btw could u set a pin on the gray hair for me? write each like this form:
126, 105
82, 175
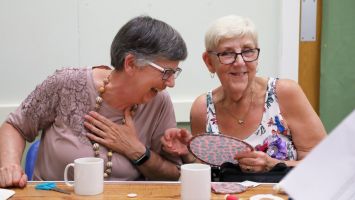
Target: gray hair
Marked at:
147, 39
229, 27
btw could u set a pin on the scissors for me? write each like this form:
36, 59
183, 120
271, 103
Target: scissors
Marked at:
50, 186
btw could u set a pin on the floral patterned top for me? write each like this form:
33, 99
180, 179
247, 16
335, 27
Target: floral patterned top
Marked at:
272, 136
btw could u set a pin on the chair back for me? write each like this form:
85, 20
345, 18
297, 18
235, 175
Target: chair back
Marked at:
31, 158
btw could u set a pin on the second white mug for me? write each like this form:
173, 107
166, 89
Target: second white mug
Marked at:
195, 182
88, 175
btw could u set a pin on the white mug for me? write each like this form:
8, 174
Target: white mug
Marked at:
195, 182
88, 175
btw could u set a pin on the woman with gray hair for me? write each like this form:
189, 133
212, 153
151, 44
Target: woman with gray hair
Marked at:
273, 115
118, 114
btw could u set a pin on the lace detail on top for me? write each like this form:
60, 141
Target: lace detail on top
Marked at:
64, 97
272, 136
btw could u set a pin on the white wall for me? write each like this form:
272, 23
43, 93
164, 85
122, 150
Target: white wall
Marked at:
39, 36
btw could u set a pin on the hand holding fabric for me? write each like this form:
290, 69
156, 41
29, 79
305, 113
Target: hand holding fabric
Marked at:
255, 161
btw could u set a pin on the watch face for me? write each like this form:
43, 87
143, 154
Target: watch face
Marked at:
143, 158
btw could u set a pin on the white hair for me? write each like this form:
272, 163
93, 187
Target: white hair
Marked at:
230, 26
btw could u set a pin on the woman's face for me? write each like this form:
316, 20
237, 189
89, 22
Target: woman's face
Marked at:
237, 76
150, 80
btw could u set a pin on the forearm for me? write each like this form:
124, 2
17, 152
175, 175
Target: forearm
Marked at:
158, 168
12, 145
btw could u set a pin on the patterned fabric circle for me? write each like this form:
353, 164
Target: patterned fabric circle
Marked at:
227, 187
216, 149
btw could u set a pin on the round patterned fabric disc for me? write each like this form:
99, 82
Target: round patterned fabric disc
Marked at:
217, 149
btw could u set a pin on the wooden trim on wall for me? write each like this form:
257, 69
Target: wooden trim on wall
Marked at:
309, 64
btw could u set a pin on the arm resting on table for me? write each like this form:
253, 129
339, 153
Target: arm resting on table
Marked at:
12, 145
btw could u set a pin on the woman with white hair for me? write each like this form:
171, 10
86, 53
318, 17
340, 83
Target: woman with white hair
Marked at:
271, 114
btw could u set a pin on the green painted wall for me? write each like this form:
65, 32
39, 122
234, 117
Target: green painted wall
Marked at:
337, 78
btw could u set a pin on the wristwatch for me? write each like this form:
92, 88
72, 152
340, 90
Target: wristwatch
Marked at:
143, 158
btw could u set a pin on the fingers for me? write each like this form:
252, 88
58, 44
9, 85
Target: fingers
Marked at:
247, 168
16, 176
94, 129
184, 133
165, 141
170, 133
12, 176
23, 181
98, 124
96, 139
255, 161
96, 118
167, 136
5, 177
252, 158
128, 117
98, 121
173, 141
245, 154
177, 133
249, 161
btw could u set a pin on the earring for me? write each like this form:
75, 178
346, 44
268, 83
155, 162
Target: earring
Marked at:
212, 75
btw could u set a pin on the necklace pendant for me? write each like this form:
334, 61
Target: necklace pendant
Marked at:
240, 121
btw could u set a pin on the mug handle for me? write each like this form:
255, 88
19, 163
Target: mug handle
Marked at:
66, 174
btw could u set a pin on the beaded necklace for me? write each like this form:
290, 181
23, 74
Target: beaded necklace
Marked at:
95, 145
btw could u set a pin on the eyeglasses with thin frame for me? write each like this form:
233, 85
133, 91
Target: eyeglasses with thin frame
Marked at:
167, 72
228, 57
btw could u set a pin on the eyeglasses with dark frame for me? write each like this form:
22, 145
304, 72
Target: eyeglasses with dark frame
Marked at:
167, 72
228, 57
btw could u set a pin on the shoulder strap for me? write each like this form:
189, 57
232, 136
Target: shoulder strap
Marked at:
211, 124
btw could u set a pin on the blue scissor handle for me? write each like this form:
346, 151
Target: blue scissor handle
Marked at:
46, 186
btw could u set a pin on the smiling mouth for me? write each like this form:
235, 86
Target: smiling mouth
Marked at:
238, 73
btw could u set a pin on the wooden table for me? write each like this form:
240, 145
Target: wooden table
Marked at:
119, 190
